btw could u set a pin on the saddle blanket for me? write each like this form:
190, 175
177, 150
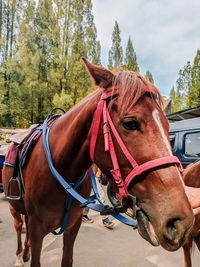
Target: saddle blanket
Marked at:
32, 139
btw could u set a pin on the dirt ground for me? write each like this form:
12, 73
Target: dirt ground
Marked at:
96, 246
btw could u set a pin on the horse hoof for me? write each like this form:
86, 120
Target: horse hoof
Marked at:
18, 264
26, 258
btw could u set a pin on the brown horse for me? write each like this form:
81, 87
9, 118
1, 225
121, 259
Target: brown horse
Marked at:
138, 118
191, 177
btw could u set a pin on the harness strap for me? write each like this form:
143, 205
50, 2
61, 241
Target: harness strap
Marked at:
95, 128
94, 187
97, 119
71, 191
108, 125
68, 203
121, 144
152, 164
110, 146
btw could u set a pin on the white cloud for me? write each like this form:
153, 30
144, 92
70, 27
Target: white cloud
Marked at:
165, 34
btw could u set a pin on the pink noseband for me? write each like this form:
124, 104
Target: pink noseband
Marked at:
108, 126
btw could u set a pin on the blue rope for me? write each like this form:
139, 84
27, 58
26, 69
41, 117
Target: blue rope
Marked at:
68, 202
72, 193
21, 160
8, 164
68, 188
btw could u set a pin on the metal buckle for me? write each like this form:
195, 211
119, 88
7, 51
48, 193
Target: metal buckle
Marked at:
83, 205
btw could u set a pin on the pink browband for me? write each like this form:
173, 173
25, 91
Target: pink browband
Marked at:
107, 127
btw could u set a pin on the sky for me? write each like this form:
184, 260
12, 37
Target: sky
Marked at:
165, 34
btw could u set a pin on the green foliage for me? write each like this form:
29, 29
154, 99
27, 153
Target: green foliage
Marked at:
40, 49
149, 76
115, 54
176, 100
187, 93
130, 57
63, 100
41, 44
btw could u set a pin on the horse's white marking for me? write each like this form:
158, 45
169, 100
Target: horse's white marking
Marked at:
157, 120
19, 261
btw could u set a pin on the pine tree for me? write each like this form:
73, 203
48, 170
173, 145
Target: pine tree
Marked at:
188, 83
38, 55
1, 22
97, 56
115, 54
196, 75
40, 49
90, 31
174, 100
9, 22
76, 75
178, 101
27, 86
46, 45
149, 76
130, 57
65, 21
83, 43
184, 84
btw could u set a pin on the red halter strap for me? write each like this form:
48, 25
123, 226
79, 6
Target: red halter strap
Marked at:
107, 127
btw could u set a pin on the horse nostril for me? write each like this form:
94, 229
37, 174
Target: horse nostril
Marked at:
172, 229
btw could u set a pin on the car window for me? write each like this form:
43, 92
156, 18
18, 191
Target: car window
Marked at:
172, 140
192, 144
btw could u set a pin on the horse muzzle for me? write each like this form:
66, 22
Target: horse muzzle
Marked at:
170, 234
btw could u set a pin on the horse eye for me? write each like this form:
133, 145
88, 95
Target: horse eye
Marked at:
130, 124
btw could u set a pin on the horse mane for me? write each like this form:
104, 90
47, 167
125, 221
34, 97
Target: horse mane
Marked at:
132, 86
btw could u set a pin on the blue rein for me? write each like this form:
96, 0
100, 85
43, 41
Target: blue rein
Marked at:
71, 190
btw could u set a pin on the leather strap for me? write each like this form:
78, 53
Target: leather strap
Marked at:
108, 126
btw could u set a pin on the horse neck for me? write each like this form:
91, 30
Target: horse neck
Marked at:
70, 138
191, 175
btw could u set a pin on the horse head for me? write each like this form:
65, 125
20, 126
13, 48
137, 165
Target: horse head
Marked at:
147, 168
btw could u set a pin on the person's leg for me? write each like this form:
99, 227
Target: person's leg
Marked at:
106, 220
85, 217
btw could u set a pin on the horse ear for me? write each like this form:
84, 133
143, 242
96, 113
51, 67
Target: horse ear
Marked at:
100, 76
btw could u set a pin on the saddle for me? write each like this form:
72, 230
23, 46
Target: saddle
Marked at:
22, 144
17, 141
17, 138
17, 149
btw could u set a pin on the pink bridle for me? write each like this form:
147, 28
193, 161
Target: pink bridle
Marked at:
107, 127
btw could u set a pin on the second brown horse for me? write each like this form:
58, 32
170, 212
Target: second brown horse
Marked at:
191, 177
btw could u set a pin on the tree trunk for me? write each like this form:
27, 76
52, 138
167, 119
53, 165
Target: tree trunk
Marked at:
7, 30
12, 25
1, 21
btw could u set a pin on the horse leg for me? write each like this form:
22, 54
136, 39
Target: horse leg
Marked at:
26, 254
69, 237
36, 235
197, 241
187, 254
18, 222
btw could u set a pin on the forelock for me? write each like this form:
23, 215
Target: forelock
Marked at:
132, 86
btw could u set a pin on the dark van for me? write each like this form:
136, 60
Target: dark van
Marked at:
185, 140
